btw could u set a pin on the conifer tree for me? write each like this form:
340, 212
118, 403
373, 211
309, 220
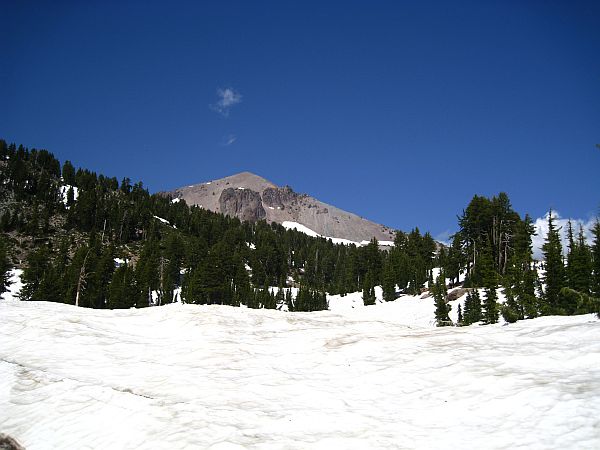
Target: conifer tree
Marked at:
581, 266
472, 311
368, 295
389, 285
490, 305
555, 269
595, 254
288, 300
122, 291
442, 308
5, 267
460, 316
488, 275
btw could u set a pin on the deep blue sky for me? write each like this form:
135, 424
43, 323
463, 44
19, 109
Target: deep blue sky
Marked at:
398, 111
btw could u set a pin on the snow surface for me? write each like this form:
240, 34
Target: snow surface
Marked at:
64, 192
217, 377
15, 285
304, 229
165, 221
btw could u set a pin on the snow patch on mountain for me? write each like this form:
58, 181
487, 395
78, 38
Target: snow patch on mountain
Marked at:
304, 229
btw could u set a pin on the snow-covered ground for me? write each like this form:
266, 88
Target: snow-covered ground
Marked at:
304, 229
186, 376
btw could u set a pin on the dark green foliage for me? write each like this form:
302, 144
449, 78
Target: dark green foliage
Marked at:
460, 318
472, 311
442, 308
579, 263
581, 303
388, 284
555, 270
411, 260
310, 300
521, 277
41, 281
488, 225
490, 306
368, 295
510, 310
5, 267
454, 261
123, 291
595, 279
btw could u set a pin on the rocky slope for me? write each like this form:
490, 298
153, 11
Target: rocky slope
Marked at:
253, 198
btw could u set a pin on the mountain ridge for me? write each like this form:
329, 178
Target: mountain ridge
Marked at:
251, 197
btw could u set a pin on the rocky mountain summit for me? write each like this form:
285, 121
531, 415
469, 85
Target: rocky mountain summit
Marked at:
250, 197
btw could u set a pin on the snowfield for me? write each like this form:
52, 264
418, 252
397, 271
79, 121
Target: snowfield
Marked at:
217, 377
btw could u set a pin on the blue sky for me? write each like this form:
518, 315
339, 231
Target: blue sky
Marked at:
397, 111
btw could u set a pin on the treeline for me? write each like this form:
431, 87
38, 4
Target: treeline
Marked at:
90, 240
493, 248
77, 222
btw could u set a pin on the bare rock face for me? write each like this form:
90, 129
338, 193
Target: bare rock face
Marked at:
278, 197
244, 204
250, 197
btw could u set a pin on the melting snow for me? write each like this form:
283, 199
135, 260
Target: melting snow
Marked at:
304, 229
186, 376
165, 221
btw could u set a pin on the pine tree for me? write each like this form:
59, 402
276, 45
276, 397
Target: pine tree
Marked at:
460, 316
472, 311
490, 306
122, 291
5, 267
389, 285
442, 308
368, 290
581, 266
555, 269
595, 253
288, 300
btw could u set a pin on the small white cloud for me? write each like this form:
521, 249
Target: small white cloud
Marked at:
444, 237
541, 229
227, 98
228, 140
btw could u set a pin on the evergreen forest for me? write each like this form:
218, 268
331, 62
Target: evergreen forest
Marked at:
91, 240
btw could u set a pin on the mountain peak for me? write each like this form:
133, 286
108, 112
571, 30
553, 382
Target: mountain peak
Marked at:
251, 197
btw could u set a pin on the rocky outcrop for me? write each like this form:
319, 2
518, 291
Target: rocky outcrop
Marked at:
250, 197
242, 203
279, 197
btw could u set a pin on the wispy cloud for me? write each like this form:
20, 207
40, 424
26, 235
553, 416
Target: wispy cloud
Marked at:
444, 237
228, 140
226, 99
541, 229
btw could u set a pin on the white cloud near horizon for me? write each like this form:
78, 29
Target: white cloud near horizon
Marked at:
541, 229
226, 99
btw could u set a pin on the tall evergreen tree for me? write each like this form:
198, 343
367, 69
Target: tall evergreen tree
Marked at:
5, 267
388, 283
368, 295
440, 294
122, 291
555, 270
595, 253
472, 311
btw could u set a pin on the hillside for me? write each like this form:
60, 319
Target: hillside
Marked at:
250, 197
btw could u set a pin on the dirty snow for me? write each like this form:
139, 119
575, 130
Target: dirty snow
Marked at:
187, 376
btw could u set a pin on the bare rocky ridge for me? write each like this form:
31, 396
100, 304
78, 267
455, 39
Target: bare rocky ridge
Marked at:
250, 197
